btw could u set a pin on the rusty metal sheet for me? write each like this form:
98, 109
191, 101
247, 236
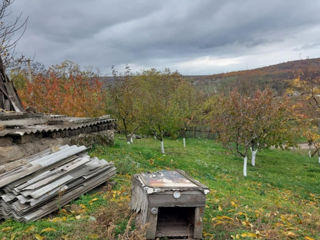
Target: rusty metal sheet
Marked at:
167, 179
164, 181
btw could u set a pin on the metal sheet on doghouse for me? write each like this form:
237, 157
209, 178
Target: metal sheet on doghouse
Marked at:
167, 179
171, 203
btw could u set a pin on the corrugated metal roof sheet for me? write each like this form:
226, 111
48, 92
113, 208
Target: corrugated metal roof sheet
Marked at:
20, 127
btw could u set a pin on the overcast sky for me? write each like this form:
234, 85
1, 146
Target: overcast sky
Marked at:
191, 36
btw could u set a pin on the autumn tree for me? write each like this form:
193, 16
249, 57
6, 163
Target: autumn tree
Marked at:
160, 114
273, 122
124, 104
257, 122
313, 137
306, 88
188, 99
65, 89
229, 121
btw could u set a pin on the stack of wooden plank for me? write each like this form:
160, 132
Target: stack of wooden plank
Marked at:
49, 180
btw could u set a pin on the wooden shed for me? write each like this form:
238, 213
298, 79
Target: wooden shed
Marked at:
171, 203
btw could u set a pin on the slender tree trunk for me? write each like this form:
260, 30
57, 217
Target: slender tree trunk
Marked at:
253, 157
310, 150
126, 130
162, 146
184, 136
128, 139
131, 138
245, 160
319, 157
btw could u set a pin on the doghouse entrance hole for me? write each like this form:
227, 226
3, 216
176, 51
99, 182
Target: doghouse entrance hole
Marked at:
175, 221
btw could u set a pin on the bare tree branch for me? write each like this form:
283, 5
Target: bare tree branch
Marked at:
10, 31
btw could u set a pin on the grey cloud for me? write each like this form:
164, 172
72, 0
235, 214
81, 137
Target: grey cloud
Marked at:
150, 32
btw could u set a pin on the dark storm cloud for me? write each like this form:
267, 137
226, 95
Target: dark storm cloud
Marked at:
173, 33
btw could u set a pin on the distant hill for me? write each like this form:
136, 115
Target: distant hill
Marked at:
276, 76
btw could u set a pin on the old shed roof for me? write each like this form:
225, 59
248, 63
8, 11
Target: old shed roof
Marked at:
46, 123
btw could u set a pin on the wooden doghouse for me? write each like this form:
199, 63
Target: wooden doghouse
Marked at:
171, 203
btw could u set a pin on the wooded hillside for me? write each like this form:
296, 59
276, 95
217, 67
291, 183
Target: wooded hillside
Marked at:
277, 77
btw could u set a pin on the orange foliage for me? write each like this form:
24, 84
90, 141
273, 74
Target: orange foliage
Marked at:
75, 95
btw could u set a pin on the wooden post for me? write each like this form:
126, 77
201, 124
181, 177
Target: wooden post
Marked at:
152, 224
198, 225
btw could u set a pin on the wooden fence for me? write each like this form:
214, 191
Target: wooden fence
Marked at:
199, 132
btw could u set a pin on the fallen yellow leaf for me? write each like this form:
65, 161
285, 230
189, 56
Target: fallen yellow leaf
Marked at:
13, 236
248, 234
93, 200
224, 218
308, 238
6, 229
218, 222
58, 219
258, 233
49, 229
234, 204
83, 206
290, 234
63, 211
38, 237
241, 214
93, 236
235, 236
30, 229
246, 223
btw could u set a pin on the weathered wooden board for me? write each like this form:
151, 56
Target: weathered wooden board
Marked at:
186, 200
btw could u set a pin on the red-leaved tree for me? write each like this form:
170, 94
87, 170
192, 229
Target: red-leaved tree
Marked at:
72, 93
243, 123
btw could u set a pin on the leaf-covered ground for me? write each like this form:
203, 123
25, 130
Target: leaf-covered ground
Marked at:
280, 198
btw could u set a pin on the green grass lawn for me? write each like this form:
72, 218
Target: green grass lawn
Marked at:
280, 198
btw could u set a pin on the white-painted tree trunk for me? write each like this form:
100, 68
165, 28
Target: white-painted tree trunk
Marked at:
253, 157
319, 159
184, 142
309, 153
128, 139
162, 147
245, 160
131, 139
